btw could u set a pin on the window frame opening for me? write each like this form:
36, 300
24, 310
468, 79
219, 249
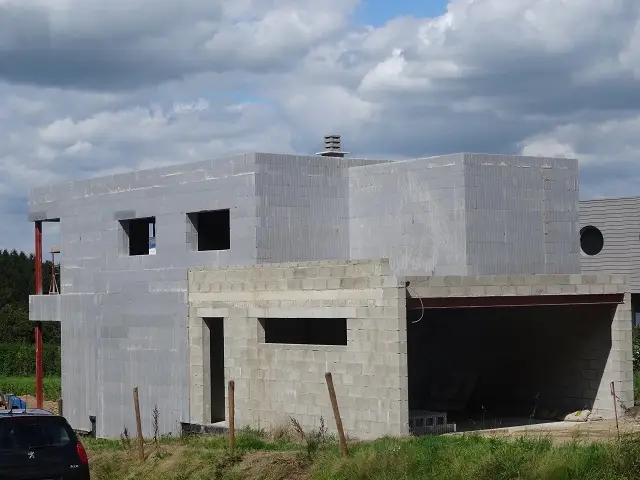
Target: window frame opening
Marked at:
209, 230
134, 243
329, 331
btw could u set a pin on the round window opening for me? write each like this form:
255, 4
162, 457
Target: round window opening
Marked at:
591, 240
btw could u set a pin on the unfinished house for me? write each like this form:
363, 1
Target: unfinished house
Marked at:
610, 241
449, 284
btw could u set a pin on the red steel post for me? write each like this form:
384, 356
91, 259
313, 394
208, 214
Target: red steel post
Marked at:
38, 275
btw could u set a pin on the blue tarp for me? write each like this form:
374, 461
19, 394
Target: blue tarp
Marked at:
13, 401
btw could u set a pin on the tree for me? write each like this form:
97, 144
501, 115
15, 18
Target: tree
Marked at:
16, 284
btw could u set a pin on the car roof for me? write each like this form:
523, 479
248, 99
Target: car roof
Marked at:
25, 412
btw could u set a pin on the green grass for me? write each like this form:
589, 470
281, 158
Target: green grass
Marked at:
259, 456
27, 386
461, 458
636, 387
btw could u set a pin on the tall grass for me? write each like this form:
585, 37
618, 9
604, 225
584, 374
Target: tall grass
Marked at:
462, 458
27, 386
453, 458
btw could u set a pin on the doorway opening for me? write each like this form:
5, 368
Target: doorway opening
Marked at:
215, 331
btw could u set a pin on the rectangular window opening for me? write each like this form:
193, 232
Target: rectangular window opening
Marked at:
210, 230
305, 331
139, 236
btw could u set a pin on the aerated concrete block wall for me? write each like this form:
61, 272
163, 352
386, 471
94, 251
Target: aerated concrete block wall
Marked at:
521, 215
133, 330
130, 329
412, 212
303, 207
276, 381
598, 353
467, 214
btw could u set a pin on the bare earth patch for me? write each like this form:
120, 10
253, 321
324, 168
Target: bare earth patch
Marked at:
272, 466
46, 405
562, 432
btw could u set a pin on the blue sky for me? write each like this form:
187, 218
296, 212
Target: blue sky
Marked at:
377, 12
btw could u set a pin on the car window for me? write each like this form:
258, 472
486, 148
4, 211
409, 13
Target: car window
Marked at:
34, 432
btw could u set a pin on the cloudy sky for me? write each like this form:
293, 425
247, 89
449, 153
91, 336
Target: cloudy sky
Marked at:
90, 87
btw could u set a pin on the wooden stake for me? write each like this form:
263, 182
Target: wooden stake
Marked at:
232, 416
136, 404
615, 407
344, 450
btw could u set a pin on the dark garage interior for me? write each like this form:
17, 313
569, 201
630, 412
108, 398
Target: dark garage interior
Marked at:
493, 367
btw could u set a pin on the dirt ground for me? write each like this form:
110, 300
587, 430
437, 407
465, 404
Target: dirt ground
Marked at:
568, 431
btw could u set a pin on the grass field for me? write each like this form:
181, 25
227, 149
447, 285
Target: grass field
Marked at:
27, 386
281, 456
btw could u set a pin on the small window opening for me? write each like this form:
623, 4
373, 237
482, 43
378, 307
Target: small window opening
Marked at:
139, 236
305, 331
210, 230
591, 240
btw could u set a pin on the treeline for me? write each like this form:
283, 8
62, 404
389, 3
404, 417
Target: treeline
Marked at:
17, 282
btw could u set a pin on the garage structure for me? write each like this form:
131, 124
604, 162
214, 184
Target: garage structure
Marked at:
499, 349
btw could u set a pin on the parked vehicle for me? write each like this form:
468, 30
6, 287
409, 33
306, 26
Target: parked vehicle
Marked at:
36, 444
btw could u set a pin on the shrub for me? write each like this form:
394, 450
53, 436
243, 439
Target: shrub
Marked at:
19, 359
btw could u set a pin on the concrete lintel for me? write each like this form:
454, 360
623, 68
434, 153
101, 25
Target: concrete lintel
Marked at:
44, 308
515, 301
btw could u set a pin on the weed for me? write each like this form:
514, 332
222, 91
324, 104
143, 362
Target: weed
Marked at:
315, 439
125, 439
156, 427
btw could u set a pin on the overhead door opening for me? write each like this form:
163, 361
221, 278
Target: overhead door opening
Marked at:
495, 367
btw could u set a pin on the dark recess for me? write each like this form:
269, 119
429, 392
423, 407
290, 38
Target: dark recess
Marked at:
305, 331
138, 232
591, 240
216, 367
213, 229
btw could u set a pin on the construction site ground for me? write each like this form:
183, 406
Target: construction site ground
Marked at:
560, 432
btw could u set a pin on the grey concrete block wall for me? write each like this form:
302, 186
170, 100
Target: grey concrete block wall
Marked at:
619, 221
276, 381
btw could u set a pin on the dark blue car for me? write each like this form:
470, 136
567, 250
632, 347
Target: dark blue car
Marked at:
36, 444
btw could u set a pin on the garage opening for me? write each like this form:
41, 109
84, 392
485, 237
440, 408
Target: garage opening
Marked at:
497, 367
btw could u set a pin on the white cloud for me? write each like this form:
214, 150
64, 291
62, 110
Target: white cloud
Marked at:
93, 87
